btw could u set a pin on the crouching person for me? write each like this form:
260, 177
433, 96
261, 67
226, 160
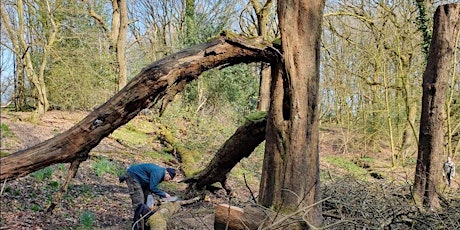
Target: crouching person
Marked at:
142, 180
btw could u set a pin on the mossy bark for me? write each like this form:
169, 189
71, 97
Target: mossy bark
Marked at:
159, 220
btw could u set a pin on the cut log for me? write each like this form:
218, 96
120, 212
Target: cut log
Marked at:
247, 218
241, 144
228, 217
158, 81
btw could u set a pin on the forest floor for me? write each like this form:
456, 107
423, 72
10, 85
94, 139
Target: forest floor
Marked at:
99, 201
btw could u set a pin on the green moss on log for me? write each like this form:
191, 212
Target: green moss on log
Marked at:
257, 116
159, 220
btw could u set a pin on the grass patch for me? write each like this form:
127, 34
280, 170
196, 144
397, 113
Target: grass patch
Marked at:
159, 156
130, 137
5, 130
165, 186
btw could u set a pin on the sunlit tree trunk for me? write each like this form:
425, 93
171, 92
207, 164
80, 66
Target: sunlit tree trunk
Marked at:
435, 82
290, 174
408, 142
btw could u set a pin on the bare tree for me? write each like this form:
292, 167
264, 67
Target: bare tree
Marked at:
38, 15
116, 33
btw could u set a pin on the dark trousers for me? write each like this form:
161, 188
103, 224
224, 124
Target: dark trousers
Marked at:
136, 192
449, 178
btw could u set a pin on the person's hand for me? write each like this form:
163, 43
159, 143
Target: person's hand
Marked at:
168, 196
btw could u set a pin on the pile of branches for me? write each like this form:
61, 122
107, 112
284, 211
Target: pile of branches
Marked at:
353, 204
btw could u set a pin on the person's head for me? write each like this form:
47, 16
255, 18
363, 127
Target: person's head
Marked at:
449, 159
169, 174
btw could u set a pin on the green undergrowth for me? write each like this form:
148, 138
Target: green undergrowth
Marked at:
43, 174
87, 220
346, 166
5, 133
102, 165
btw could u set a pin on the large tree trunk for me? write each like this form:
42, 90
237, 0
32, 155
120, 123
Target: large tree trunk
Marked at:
435, 82
160, 80
241, 144
290, 174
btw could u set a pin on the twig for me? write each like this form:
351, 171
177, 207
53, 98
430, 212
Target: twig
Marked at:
304, 209
142, 218
250, 191
186, 202
71, 174
3, 187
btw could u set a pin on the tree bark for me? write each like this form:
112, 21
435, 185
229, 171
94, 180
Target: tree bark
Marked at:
228, 217
264, 88
435, 82
290, 174
236, 218
160, 80
241, 144
159, 220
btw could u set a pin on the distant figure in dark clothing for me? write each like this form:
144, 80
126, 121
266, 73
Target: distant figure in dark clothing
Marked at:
143, 179
449, 170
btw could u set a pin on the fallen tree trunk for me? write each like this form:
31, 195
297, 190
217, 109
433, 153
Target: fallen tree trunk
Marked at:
159, 81
159, 220
241, 144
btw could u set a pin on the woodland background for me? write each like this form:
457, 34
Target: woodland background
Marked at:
74, 55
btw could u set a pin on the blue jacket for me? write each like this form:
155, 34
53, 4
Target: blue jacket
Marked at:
149, 176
